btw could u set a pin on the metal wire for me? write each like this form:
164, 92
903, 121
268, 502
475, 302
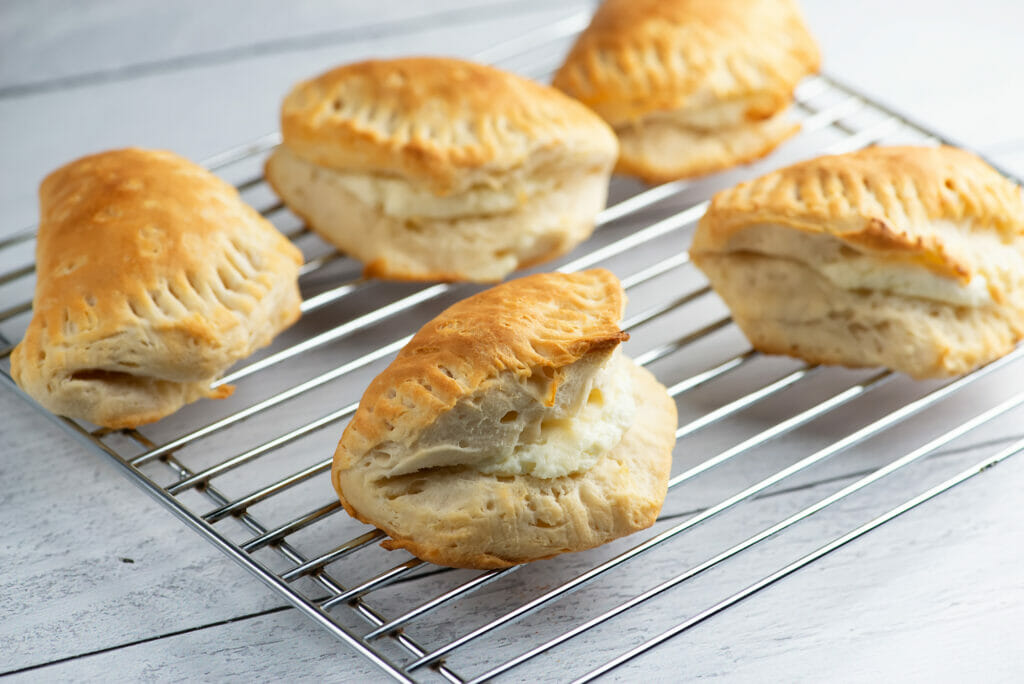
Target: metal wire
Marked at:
291, 554
805, 513
789, 569
326, 567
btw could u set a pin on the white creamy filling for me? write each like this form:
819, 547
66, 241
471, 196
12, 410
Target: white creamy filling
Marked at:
575, 443
852, 269
910, 281
401, 199
711, 117
719, 115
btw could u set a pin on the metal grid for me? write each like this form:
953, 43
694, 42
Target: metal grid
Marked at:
285, 533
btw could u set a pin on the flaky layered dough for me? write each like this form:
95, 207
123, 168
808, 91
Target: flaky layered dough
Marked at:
153, 278
478, 247
690, 86
798, 313
911, 258
418, 458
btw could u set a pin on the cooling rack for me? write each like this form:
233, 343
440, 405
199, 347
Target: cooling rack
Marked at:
250, 474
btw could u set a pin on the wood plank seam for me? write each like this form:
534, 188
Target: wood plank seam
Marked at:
440, 570
146, 640
366, 32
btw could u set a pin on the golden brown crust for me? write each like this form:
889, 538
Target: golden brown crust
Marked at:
880, 199
543, 321
643, 56
154, 277
447, 123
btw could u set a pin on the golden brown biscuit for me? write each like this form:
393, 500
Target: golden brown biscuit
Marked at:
153, 278
432, 168
691, 86
910, 258
510, 429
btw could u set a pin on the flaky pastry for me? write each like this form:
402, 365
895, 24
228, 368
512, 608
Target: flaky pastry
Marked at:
511, 429
691, 86
910, 258
441, 169
153, 278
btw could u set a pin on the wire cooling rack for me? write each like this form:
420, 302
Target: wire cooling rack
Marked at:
756, 458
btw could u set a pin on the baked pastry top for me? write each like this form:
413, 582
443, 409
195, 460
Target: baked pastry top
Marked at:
929, 239
691, 86
431, 168
724, 59
509, 429
447, 124
153, 278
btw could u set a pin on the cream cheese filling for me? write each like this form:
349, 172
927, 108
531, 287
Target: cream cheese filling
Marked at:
576, 442
708, 118
848, 268
910, 281
401, 199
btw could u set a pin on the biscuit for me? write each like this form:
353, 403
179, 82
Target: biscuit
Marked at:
441, 169
690, 86
909, 258
153, 278
511, 429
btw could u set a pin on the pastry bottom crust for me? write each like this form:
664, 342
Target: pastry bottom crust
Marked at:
460, 517
659, 151
118, 400
785, 307
482, 248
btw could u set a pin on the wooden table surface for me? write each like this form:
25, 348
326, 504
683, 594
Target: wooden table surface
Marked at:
100, 583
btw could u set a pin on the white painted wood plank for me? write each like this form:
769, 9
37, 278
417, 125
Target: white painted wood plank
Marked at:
869, 612
279, 647
69, 524
196, 112
125, 39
